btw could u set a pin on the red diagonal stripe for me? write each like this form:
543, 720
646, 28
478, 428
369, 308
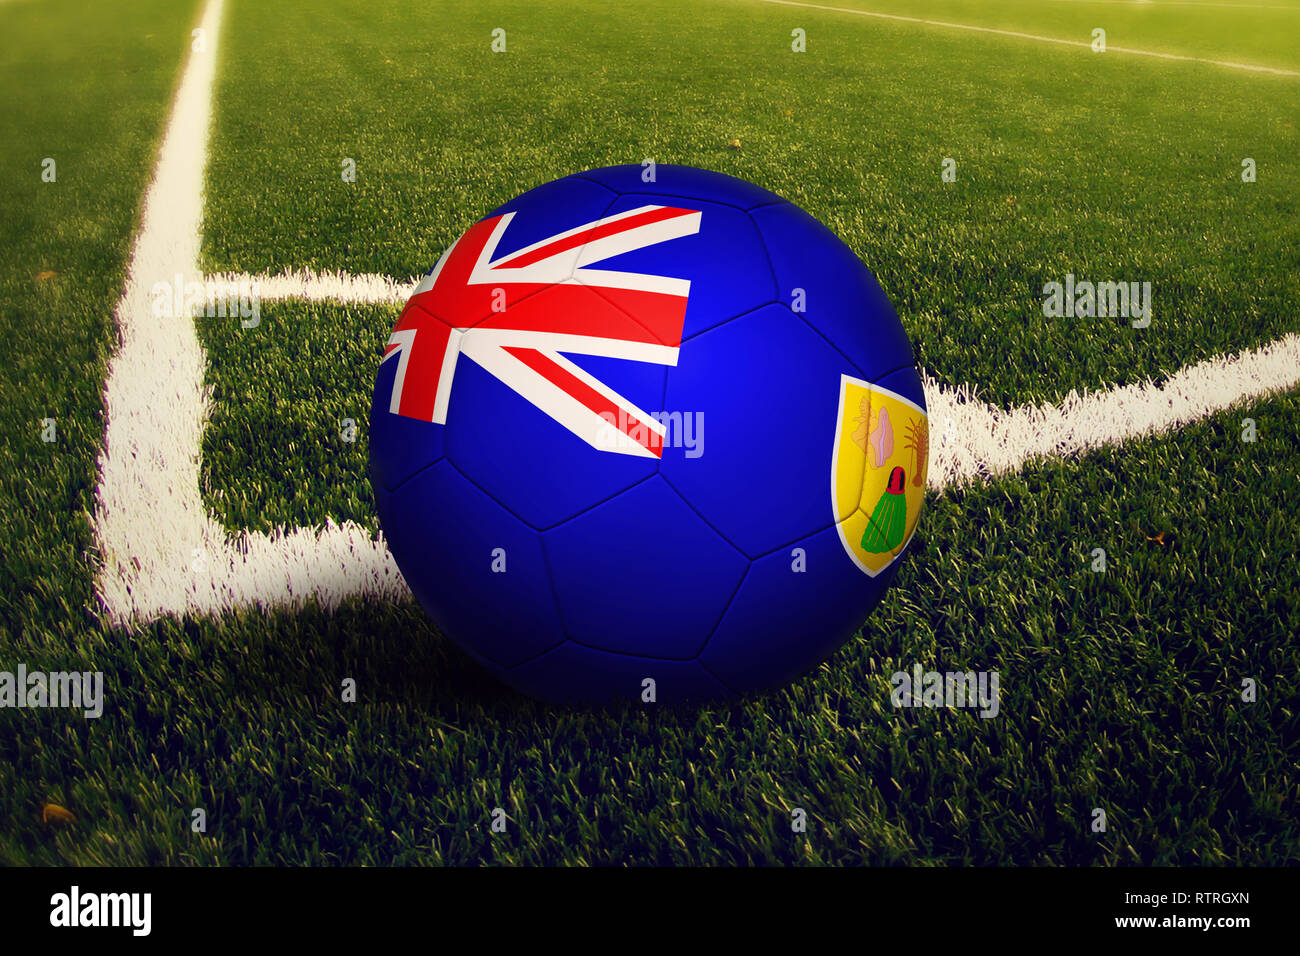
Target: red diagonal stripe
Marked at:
589, 235
575, 387
424, 365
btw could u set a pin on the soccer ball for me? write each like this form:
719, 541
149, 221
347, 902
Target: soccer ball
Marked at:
648, 434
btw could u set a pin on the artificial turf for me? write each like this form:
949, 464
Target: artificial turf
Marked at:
1120, 690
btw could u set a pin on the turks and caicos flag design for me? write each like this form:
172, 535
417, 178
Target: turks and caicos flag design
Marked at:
515, 316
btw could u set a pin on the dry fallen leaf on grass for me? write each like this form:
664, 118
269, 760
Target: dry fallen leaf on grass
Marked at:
53, 813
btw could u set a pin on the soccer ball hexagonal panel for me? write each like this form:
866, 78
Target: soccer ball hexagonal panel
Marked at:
767, 387
821, 276
482, 575
642, 574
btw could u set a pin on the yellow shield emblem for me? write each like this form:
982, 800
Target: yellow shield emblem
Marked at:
882, 444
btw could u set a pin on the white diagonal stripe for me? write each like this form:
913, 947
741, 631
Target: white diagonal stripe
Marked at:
567, 265
553, 400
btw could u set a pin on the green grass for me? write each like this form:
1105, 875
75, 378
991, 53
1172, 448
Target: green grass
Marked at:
1259, 34
101, 126
1068, 162
1120, 690
275, 452
89, 87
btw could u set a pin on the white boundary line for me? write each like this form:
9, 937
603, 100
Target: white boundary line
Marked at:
985, 441
303, 284
161, 553
1034, 36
